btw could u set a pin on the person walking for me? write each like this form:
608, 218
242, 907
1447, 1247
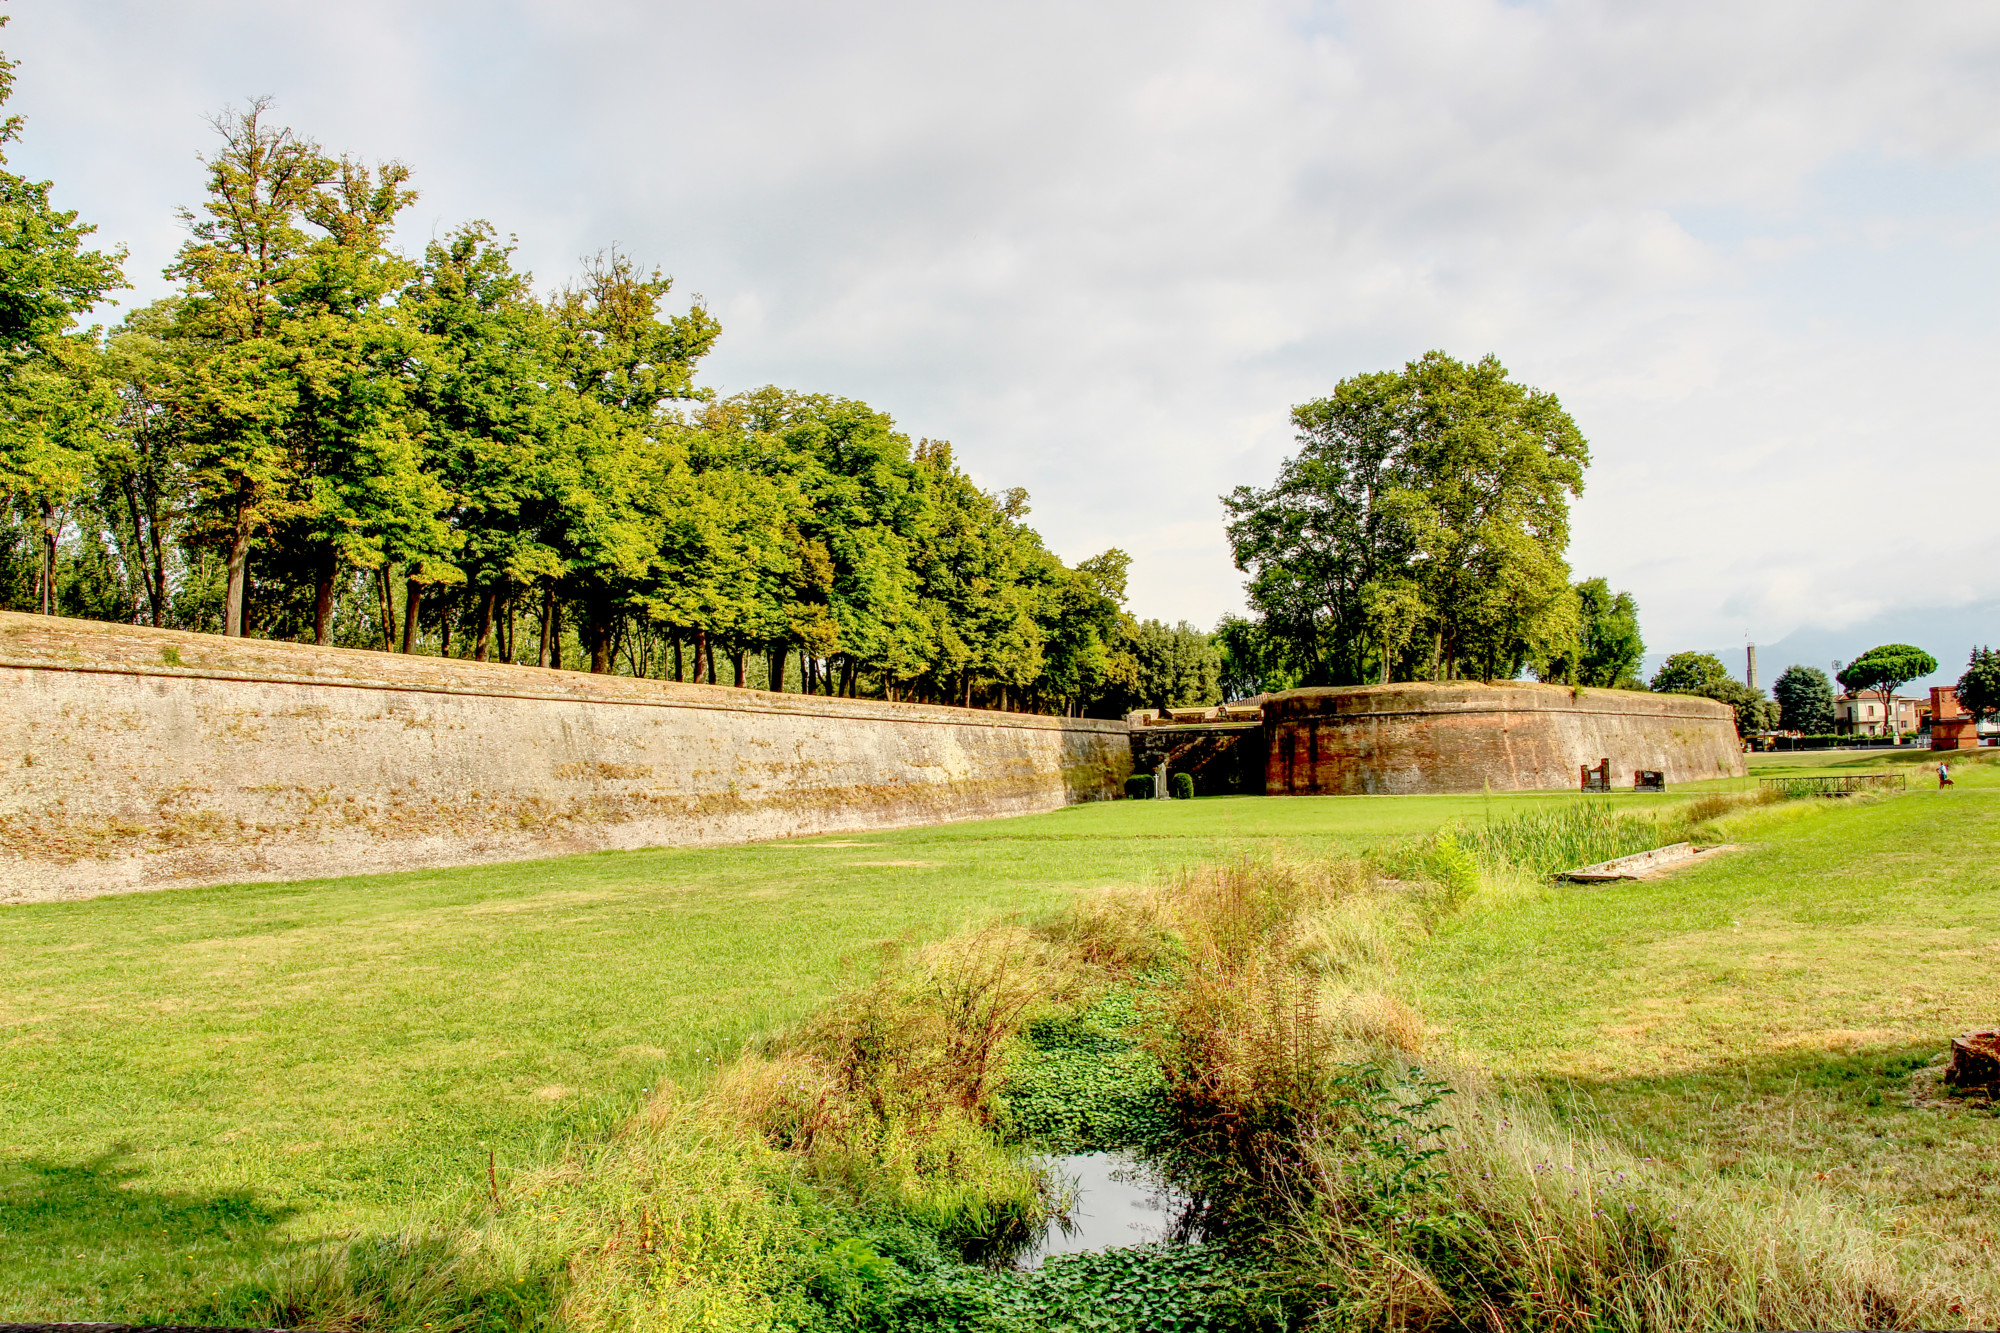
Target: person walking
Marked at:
1944, 775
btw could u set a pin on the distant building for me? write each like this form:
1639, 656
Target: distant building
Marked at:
1951, 727
1863, 714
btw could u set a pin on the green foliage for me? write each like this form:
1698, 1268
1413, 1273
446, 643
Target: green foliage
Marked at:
1453, 868
1689, 673
1979, 686
1703, 674
320, 437
1805, 700
1420, 531
1886, 668
1252, 660
55, 396
1608, 647
1085, 1082
1171, 1288
1154, 665
1139, 787
1182, 785
1753, 711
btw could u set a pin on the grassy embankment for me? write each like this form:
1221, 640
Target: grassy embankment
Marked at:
1640, 996
191, 1080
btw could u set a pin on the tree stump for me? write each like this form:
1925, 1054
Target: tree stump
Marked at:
1975, 1061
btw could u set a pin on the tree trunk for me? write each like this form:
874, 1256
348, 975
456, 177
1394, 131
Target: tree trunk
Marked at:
153, 565
736, 661
708, 651
548, 624
700, 654
968, 691
600, 643
48, 574
774, 669
805, 672
413, 596
234, 589
680, 662
329, 570
485, 638
555, 634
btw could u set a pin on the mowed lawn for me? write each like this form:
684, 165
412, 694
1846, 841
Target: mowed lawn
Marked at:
191, 1078
1763, 1014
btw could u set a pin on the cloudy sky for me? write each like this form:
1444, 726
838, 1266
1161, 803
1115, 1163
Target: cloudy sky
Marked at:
1103, 248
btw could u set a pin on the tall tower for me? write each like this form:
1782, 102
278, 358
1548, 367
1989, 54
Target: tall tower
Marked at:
1750, 665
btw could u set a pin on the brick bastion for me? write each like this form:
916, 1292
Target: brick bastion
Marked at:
141, 759
1465, 736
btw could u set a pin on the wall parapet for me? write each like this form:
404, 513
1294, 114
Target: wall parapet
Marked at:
142, 758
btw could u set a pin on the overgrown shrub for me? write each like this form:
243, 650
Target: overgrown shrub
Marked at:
1139, 787
1182, 786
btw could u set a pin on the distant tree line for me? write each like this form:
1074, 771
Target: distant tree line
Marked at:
322, 438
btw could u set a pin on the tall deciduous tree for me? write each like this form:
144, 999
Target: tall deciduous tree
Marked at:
1608, 647
54, 399
491, 413
238, 391
1420, 530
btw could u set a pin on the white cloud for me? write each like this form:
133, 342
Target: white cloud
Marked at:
1104, 248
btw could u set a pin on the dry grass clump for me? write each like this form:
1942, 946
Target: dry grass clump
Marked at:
1533, 1223
887, 1095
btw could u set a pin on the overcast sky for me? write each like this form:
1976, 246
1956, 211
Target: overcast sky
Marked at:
1103, 248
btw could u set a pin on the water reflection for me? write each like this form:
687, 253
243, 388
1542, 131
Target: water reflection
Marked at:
1108, 1202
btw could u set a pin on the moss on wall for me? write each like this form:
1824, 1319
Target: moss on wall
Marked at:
146, 758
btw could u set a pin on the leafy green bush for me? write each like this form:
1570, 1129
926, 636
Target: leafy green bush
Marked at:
1139, 787
1182, 786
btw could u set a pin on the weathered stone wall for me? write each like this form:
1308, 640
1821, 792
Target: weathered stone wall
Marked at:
1464, 736
139, 758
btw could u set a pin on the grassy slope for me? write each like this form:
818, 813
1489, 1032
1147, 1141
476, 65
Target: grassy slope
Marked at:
1763, 1013
188, 1078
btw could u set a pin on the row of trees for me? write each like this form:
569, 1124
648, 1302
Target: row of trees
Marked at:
1803, 696
1420, 534
320, 437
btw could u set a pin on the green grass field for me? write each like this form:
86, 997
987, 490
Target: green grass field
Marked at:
191, 1079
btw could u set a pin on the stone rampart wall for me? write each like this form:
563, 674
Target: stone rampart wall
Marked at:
139, 759
1409, 739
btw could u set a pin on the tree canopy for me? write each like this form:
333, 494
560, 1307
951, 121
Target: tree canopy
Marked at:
1689, 673
1885, 669
322, 437
1979, 686
1805, 700
1420, 531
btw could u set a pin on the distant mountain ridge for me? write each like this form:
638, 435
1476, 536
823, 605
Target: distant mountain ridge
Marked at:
1949, 635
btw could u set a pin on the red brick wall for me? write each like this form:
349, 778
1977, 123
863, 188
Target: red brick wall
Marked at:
1464, 736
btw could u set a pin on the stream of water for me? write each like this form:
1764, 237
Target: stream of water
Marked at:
1112, 1203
